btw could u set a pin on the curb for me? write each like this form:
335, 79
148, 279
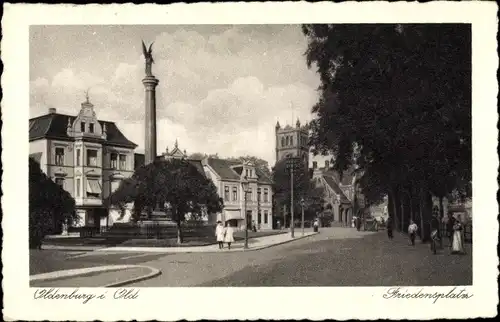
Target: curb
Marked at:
165, 250
71, 248
155, 272
80, 272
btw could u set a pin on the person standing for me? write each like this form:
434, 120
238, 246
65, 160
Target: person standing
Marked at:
219, 234
458, 240
229, 235
412, 231
389, 228
316, 225
435, 227
449, 228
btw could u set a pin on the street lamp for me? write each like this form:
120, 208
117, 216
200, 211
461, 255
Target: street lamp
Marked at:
302, 203
245, 186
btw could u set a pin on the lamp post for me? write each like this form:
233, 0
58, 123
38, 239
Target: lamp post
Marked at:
245, 185
291, 165
302, 202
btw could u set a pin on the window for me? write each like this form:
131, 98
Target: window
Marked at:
60, 182
246, 172
265, 217
91, 127
266, 195
123, 161
315, 164
291, 140
226, 193
114, 160
287, 140
59, 156
235, 193
327, 164
282, 141
78, 185
259, 218
78, 156
92, 158
93, 188
258, 194
82, 126
250, 192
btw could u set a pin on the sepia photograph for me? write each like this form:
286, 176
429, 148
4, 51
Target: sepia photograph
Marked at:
240, 155
250, 155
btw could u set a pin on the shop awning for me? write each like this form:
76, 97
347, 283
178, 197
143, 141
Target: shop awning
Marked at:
93, 186
232, 214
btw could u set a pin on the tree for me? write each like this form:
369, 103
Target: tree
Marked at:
303, 187
174, 184
50, 206
401, 95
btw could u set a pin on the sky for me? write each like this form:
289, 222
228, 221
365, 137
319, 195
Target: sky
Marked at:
222, 87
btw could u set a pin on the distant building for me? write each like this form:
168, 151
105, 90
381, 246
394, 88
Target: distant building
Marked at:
228, 177
86, 156
292, 142
176, 153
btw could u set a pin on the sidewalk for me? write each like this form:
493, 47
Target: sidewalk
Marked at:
253, 244
102, 276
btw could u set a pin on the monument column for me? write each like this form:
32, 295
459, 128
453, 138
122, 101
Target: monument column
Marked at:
150, 82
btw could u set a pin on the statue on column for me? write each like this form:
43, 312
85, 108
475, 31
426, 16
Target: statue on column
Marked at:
148, 55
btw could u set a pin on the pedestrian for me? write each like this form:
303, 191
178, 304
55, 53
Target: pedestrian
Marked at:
254, 226
412, 231
389, 228
458, 240
449, 228
278, 223
316, 225
435, 226
358, 223
219, 233
229, 235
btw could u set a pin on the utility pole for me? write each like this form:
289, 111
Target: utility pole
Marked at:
302, 202
292, 222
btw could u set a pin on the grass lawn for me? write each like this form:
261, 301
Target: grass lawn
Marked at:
153, 242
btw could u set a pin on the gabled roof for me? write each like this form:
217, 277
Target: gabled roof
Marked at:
332, 183
347, 176
227, 170
54, 125
223, 168
36, 156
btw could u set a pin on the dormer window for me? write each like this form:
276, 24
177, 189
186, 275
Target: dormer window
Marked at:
82, 126
91, 127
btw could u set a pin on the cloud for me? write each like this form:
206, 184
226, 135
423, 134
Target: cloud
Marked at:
218, 92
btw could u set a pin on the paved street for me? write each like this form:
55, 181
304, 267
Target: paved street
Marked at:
332, 258
335, 257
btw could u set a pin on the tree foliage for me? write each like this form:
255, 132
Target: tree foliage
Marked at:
401, 94
303, 188
49, 205
174, 184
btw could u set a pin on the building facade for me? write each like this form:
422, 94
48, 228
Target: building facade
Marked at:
86, 156
229, 178
292, 142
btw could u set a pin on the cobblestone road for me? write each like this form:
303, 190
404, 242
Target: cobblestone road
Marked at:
335, 257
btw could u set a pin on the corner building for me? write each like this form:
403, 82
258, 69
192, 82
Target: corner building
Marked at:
86, 156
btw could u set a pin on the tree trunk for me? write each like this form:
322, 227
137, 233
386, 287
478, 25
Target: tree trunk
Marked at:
179, 232
394, 204
441, 209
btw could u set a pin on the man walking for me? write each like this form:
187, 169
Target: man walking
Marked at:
389, 228
412, 231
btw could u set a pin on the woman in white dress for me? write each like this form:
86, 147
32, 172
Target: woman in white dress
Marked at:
219, 233
458, 239
229, 235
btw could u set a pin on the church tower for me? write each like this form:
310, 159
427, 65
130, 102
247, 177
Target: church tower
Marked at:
292, 142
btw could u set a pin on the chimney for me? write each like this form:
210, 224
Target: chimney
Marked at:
52, 110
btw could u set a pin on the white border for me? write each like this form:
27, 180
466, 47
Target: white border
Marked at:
296, 303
